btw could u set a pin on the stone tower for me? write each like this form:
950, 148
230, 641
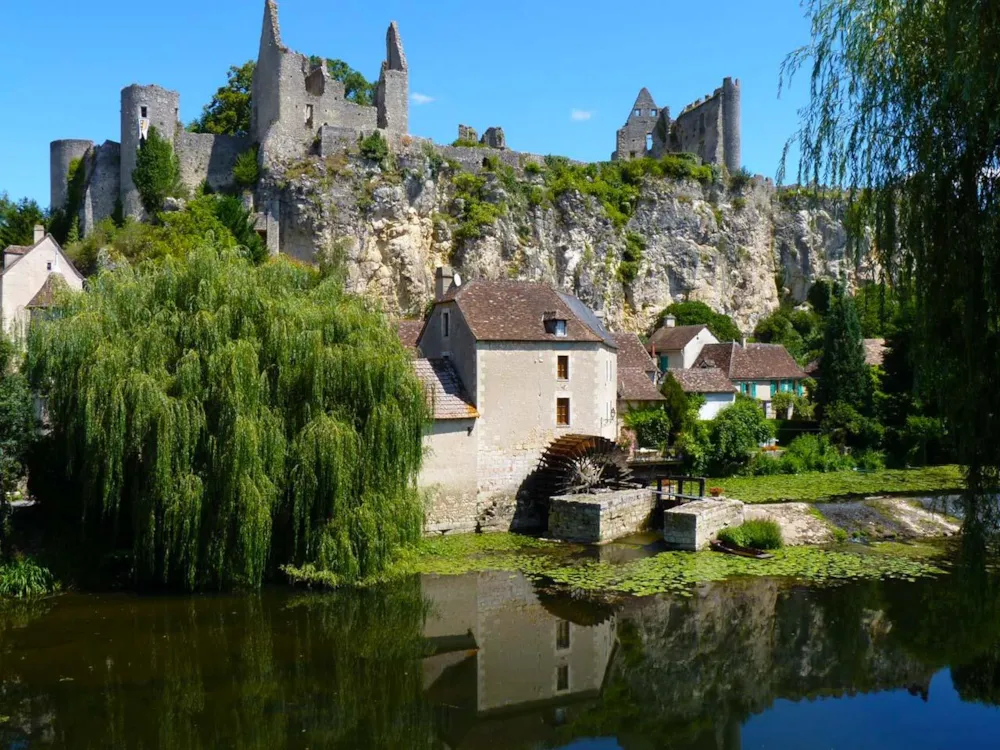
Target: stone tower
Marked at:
392, 96
155, 107
732, 136
61, 153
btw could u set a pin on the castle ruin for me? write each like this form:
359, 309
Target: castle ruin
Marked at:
298, 109
708, 128
295, 104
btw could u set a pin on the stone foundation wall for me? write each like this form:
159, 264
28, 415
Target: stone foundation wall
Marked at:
596, 519
693, 525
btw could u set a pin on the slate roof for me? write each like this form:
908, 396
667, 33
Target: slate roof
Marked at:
408, 332
17, 249
752, 362
671, 338
445, 392
45, 296
634, 384
516, 310
703, 380
631, 353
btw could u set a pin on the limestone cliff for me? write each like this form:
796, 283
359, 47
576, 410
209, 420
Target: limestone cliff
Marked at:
734, 247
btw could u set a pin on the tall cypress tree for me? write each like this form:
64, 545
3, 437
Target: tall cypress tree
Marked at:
844, 375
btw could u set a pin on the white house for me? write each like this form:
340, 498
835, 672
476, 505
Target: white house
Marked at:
29, 279
677, 347
709, 382
757, 370
512, 366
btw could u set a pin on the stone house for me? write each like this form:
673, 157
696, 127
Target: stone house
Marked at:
675, 347
757, 370
709, 382
510, 366
30, 277
637, 374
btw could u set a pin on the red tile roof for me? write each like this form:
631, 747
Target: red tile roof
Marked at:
631, 352
672, 338
703, 380
634, 384
517, 310
751, 362
445, 393
408, 332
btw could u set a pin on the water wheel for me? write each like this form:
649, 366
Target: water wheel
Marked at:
580, 464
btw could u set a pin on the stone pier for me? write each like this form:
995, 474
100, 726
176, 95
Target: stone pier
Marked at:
596, 519
693, 525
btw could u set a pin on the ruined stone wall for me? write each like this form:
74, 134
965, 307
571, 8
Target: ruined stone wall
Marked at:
699, 130
392, 95
103, 186
61, 154
208, 158
631, 140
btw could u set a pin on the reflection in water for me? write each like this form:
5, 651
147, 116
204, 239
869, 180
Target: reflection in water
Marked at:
482, 660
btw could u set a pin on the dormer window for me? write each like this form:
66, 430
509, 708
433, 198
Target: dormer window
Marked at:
554, 325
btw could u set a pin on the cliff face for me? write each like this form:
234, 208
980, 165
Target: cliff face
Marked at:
734, 248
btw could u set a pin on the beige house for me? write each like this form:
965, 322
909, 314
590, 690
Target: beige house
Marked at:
675, 347
511, 366
757, 370
30, 277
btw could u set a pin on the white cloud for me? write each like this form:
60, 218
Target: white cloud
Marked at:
580, 115
422, 99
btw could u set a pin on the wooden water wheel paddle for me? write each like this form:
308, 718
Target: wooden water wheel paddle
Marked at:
582, 464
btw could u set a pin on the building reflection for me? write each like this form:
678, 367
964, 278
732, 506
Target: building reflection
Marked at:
506, 665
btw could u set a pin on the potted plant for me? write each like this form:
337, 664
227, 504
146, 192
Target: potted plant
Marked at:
715, 491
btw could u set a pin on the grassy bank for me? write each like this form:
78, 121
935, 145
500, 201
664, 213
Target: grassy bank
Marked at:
815, 486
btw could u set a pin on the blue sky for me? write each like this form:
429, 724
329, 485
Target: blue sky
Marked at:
558, 76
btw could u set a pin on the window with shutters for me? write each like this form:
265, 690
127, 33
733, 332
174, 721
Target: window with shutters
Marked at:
562, 412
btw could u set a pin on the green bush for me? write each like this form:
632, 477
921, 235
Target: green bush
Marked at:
739, 180
736, 434
23, 578
246, 171
754, 534
533, 169
814, 453
157, 172
698, 313
467, 143
374, 147
651, 426
632, 255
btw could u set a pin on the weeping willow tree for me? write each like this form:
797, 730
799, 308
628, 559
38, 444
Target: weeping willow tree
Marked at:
221, 419
904, 110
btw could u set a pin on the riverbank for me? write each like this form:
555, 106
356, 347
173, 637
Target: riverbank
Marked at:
835, 485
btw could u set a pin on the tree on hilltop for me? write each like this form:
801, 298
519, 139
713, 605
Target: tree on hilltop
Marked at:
698, 313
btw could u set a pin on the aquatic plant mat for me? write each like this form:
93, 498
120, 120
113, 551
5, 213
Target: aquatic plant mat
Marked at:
816, 486
677, 572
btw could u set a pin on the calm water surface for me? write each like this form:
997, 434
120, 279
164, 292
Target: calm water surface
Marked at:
493, 661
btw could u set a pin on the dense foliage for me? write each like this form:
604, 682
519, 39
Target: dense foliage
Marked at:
728, 443
905, 106
754, 534
17, 430
18, 220
800, 331
157, 172
698, 313
845, 376
246, 171
23, 578
228, 113
651, 426
219, 221
220, 419
804, 453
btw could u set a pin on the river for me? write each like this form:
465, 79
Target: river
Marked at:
493, 660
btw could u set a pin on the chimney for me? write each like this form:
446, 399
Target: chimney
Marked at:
444, 280
39, 233
670, 321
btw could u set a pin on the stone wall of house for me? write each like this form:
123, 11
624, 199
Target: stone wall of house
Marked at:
448, 476
604, 517
516, 397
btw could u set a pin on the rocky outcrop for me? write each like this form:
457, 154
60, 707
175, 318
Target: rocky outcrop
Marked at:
736, 249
